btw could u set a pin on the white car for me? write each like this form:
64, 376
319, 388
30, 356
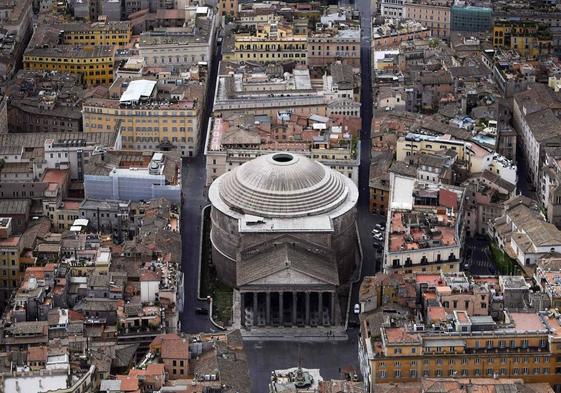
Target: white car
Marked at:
379, 237
357, 308
375, 232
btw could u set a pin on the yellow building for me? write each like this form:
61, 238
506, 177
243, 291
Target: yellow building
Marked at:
271, 42
525, 346
96, 34
94, 64
526, 37
63, 216
407, 146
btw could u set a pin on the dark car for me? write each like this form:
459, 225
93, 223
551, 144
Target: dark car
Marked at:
201, 311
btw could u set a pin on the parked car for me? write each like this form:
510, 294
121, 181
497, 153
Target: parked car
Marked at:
357, 308
375, 232
379, 237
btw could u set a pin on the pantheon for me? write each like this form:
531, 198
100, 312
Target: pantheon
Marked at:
284, 235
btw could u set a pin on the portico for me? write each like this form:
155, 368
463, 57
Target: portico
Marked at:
289, 307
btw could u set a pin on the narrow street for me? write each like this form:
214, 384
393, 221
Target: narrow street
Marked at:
194, 198
366, 221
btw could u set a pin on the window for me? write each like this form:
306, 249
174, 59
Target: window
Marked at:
397, 374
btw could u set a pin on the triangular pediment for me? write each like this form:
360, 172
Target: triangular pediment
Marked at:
288, 276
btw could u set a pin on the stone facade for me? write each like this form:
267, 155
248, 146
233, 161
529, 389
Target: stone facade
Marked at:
288, 253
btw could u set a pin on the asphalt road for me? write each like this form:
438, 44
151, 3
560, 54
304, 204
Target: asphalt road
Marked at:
194, 198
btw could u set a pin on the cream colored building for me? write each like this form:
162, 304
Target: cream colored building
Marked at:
328, 46
272, 42
434, 16
62, 217
151, 121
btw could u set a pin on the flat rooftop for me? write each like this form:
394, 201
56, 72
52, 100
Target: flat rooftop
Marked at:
71, 51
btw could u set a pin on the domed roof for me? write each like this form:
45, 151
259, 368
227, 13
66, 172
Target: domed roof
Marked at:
283, 185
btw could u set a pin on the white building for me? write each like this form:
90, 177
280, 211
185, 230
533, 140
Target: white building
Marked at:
69, 154
424, 230
149, 286
392, 8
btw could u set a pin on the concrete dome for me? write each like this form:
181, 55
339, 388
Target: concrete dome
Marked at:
283, 185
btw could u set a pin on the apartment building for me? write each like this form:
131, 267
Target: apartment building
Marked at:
93, 64
528, 38
548, 278
488, 194
103, 33
228, 8
474, 157
379, 182
234, 139
433, 15
424, 230
536, 118
335, 38
267, 43
393, 32
392, 8
523, 233
63, 216
152, 116
11, 247
524, 346
181, 46
44, 102
551, 185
